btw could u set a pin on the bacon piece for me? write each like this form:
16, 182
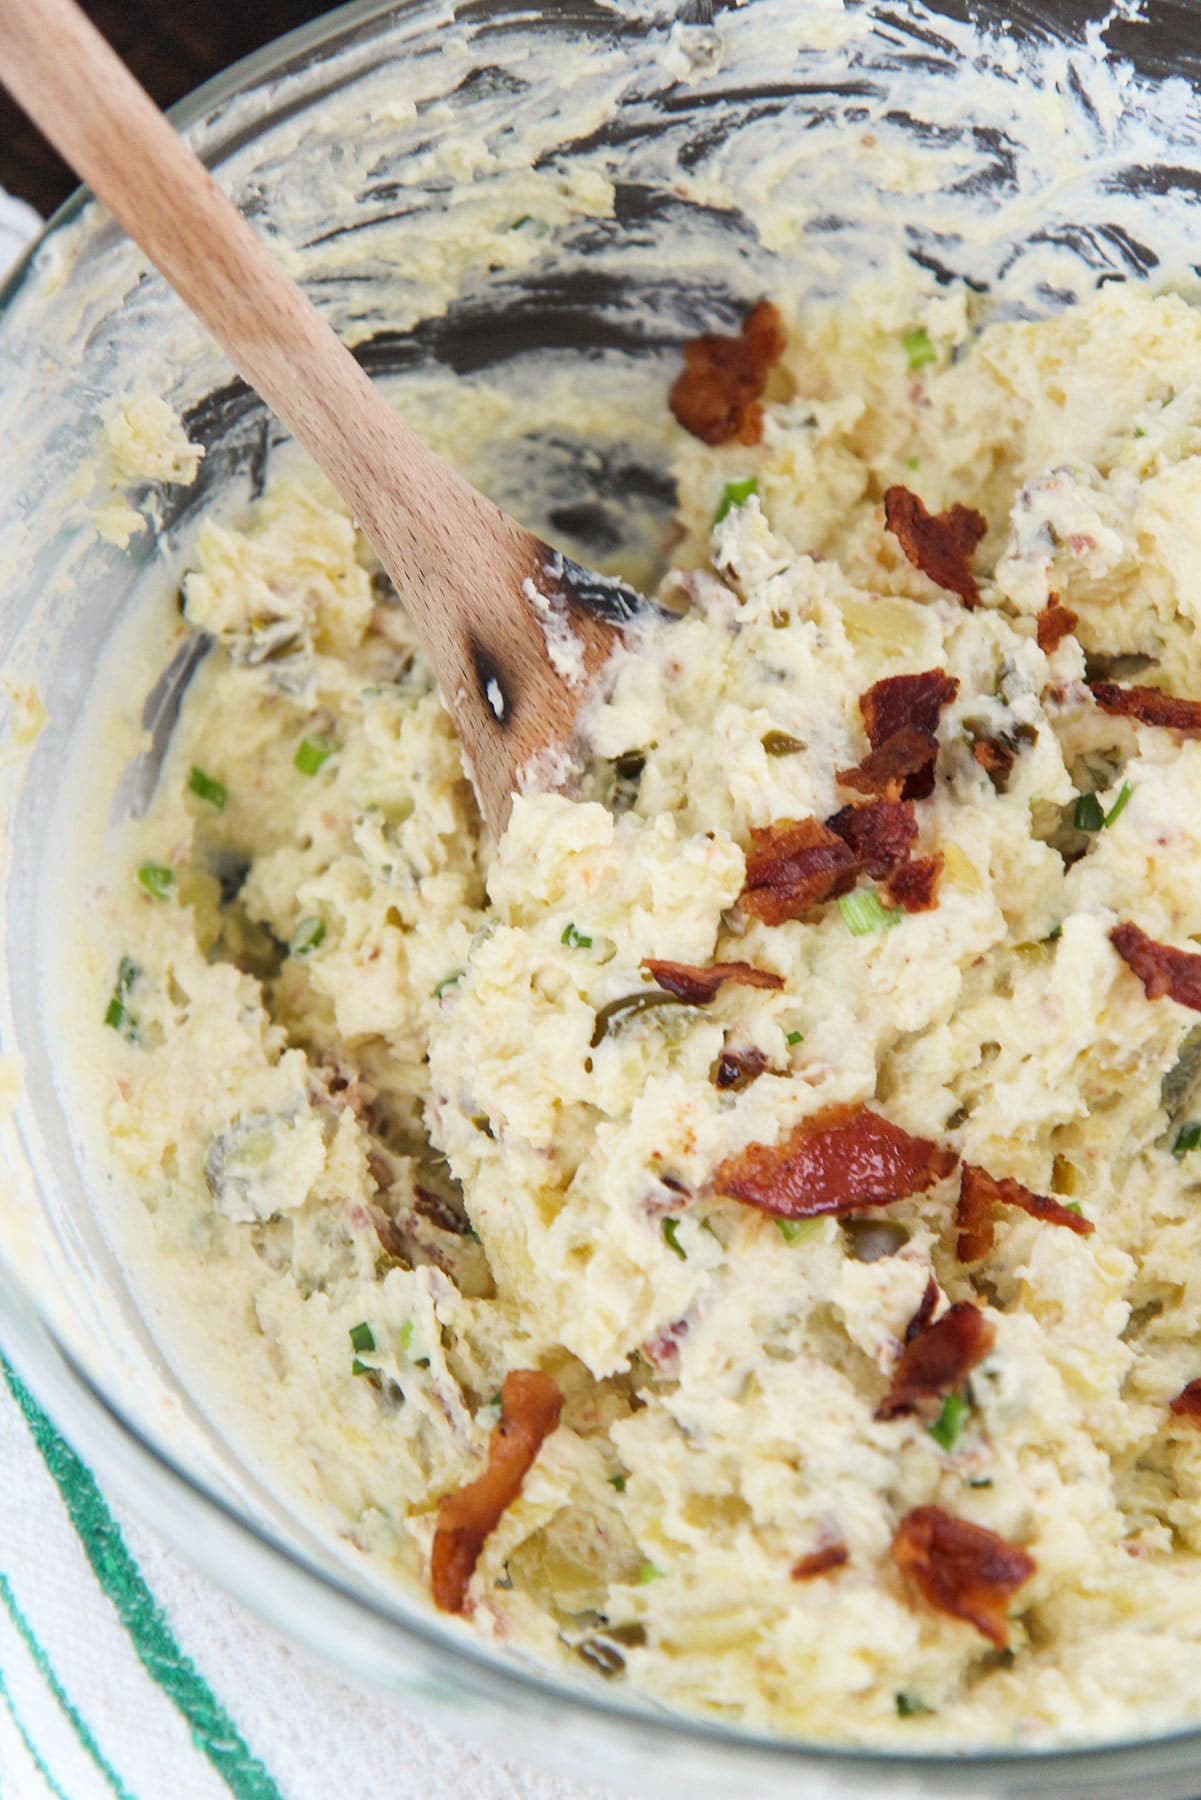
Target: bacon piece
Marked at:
1187, 1404
840, 1159
979, 1192
716, 395
938, 1359
530, 1408
792, 866
925, 1310
738, 1068
1161, 969
914, 885
905, 758
939, 544
1055, 622
961, 1569
699, 985
880, 832
820, 1562
888, 706
1150, 706
662, 1348
994, 757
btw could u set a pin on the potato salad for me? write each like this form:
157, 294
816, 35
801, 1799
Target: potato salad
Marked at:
739, 1235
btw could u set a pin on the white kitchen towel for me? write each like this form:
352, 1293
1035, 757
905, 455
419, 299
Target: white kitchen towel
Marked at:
124, 1675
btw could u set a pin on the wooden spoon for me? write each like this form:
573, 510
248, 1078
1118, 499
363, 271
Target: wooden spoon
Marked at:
481, 590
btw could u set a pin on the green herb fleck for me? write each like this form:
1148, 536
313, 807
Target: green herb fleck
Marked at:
670, 1227
157, 880
1119, 805
312, 752
1139, 431
735, 493
306, 937
1187, 1138
406, 1336
1088, 815
980, 1481
794, 1037
618, 1482
362, 1368
862, 912
117, 1014
795, 1231
918, 347
949, 1423
909, 1708
1055, 933
1074, 1206
523, 220
362, 1337
648, 1572
448, 981
206, 788
575, 939
913, 464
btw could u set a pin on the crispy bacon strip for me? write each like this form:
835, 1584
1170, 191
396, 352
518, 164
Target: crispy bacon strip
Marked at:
716, 395
961, 1569
820, 1562
1055, 622
1150, 706
914, 885
888, 706
1161, 969
699, 985
979, 1192
889, 771
1187, 1404
939, 544
938, 1359
530, 1408
794, 865
738, 1068
840, 1159
880, 832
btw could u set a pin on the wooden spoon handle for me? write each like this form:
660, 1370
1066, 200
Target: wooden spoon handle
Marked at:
458, 561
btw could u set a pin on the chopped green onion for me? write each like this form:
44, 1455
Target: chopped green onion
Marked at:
1073, 1206
1119, 805
918, 347
117, 1014
306, 937
1139, 431
862, 912
735, 493
909, 1708
362, 1368
1055, 933
949, 1423
206, 788
157, 880
648, 1572
980, 1481
575, 939
913, 464
1187, 1138
406, 1336
448, 981
618, 1482
670, 1227
797, 1230
1088, 815
523, 220
794, 1037
498, 1399
312, 752
362, 1337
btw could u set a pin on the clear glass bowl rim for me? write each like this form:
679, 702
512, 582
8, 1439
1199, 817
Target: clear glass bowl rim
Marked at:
169, 1497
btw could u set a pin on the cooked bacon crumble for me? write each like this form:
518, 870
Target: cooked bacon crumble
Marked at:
906, 757
793, 866
913, 886
1055, 622
821, 1562
717, 394
938, 1359
979, 1192
1150, 706
842, 1158
939, 544
699, 985
1161, 969
960, 1569
530, 1407
880, 832
1187, 1404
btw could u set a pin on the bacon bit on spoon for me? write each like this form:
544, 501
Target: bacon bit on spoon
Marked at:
937, 1359
530, 1408
880, 832
1150, 706
820, 1562
961, 1569
840, 1159
794, 865
699, 985
914, 885
939, 544
979, 1192
717, 394
1055, 622
1161, 969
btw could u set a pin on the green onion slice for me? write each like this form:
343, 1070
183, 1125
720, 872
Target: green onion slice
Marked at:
735, 493
670, 1228
1187, 1138
157, 879
862, 912
362, 1337
306, 937
949, 1423
918, 347
575, 939
205, 787
1088, 815
312, 752
1119, 805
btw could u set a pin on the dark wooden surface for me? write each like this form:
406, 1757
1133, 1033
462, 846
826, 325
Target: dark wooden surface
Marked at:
171, 46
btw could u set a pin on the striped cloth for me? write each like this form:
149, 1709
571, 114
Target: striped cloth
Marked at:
124, 1675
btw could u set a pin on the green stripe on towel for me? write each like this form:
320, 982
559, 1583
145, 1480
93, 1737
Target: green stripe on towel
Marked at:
213, 1731
29, 1744
42, 1662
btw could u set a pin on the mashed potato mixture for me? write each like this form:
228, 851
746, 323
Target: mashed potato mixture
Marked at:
740, 1235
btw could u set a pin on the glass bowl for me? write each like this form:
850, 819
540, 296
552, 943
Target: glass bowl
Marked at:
505, 202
